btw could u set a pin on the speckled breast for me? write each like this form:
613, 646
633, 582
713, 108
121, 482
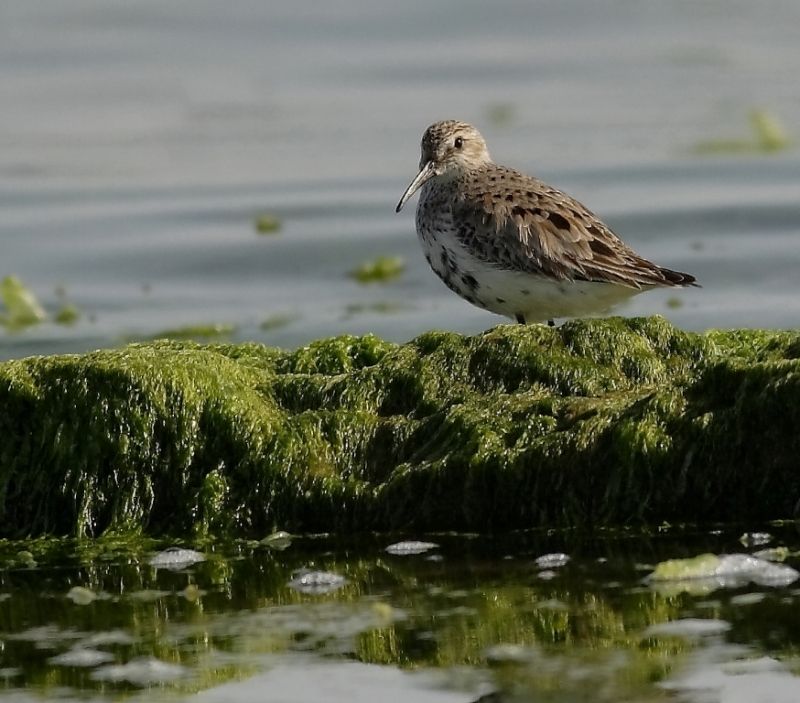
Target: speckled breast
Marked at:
446, 256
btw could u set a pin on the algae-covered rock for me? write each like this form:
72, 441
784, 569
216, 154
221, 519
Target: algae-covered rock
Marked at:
595, 422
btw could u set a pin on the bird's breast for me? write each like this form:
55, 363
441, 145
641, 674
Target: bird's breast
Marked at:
434, 215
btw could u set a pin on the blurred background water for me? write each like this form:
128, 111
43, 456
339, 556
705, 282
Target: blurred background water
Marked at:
140, 141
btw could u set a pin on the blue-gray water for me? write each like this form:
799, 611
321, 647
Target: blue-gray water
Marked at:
138, 141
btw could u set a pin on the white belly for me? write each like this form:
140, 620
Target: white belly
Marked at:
539, 299
512, 293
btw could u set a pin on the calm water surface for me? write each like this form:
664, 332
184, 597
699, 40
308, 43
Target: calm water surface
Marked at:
528, 617
139, 142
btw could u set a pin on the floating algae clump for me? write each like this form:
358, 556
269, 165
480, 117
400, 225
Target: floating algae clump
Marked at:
596, 422
22, 308
768, 135
267, 224
384, 268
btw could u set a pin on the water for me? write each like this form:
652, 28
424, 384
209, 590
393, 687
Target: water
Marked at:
451, 621
139, 142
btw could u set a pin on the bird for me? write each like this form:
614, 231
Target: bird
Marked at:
514, 245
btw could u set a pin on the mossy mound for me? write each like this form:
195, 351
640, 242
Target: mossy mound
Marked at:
595, 422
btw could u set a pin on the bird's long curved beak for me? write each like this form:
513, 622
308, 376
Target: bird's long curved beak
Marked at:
425, 174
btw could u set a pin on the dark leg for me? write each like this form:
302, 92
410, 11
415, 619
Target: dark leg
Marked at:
520, 318
551, 323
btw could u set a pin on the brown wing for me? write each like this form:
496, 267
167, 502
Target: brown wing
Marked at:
519, 223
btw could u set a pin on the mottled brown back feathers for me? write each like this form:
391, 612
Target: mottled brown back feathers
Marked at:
518, 222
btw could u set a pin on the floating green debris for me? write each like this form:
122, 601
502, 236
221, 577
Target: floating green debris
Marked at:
197, 332
267, 224
772, 135
276, 321
701, 566
769, 135
22, 307
381, 307
67, 315
382, 269
773, 554
724, 146
674, 302
708, 572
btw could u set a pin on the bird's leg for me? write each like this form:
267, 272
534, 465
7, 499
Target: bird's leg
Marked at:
520, 318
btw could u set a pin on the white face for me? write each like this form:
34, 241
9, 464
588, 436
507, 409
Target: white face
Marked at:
448, 148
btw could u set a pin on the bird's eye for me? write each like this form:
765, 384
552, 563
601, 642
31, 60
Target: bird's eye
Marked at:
458, 143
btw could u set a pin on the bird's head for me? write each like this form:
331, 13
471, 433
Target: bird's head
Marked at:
449, 148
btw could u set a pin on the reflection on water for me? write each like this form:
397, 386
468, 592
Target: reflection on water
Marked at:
142, 146
476, 614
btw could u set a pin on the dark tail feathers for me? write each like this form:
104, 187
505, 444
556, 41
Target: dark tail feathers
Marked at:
677, 278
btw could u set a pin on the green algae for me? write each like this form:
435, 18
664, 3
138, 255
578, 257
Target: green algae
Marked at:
598, 422
267, 224
67, 315
276, 321
22, 307
768, 135
701, 566
378, 307
380, 270
199, 332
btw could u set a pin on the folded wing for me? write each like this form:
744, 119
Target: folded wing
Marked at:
523, 224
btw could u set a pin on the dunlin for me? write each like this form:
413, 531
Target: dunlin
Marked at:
512, 244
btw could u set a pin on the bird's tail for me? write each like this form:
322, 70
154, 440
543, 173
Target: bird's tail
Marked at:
678, 278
